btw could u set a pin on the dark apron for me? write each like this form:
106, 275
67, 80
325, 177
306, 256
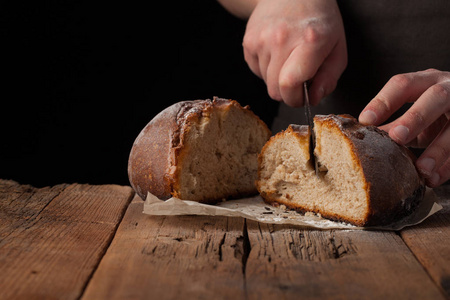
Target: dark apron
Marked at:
384, 38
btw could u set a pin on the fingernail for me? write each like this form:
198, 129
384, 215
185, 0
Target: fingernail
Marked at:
426, 166
368, 117
320, 95
321, 92
434, 179
400, 134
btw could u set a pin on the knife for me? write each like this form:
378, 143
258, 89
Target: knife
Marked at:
312, 137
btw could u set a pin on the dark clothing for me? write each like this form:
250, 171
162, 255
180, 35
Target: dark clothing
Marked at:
384, 38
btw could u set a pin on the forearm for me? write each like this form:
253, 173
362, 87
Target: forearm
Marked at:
240, 8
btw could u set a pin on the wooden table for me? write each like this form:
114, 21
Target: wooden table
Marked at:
74, 241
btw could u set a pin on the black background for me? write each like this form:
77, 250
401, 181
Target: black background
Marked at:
81, 79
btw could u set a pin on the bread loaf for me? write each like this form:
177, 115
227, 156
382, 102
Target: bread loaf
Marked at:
365, 178
198, 150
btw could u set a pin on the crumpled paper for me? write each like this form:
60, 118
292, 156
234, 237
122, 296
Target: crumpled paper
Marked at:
256, 209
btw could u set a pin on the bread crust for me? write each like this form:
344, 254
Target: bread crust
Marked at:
158, 149
393, 186
302, 134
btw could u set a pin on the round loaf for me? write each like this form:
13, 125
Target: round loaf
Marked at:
365, 177
199, 150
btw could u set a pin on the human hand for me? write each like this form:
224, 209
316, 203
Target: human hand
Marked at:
288, 42
425, 124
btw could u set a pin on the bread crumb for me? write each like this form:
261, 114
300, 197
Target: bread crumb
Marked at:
312, 214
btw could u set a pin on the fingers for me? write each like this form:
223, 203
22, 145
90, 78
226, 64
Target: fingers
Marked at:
253, 62
434, 163
287, 43
399, 90
316, 60
266, 68
327, 76
426, 122
427, 136
300, 66
426, 110
444, 175
292, 76
273, 71
432, 99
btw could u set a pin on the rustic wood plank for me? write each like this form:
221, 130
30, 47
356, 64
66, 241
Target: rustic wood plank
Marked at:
288, 262
430, 242
52, 239
21, 204
178, 257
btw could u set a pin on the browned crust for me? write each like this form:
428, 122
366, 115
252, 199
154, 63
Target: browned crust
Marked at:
158, 149
146, 162
270, 198
302, 133
393, 185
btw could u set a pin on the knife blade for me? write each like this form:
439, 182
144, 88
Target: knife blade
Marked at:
312, 137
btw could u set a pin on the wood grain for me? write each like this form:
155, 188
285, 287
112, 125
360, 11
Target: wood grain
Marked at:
180, 257
288, 262
430, 242
52, 239
65, 242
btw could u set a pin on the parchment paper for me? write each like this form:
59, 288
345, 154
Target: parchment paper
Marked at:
255, 209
